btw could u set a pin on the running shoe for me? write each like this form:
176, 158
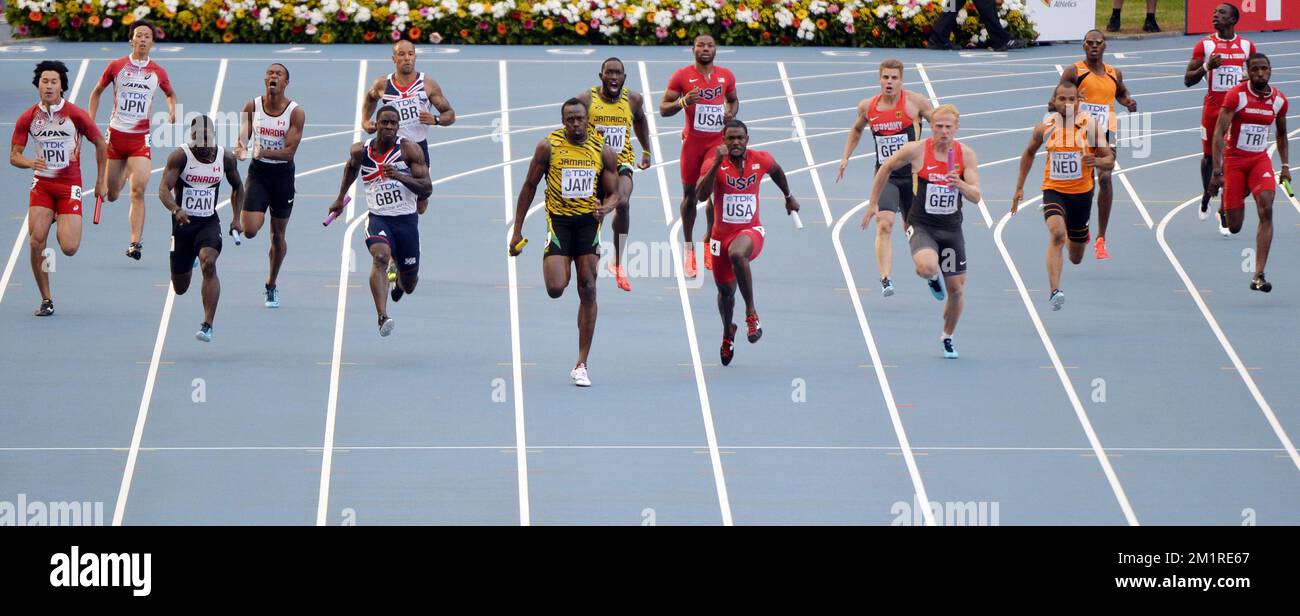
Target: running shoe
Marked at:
620, 276
1259, 284
728, 345
1100, 247
46, 309
754, 329
1205, 205
397, 293
579, 376
272, 296
1223, 224
204, 334
688, 261
385, 325
936, 288
949, 349
135, 250
708, 258
886, 287
1057, 299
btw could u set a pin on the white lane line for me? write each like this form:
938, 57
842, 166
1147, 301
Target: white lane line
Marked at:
356, 127
143, 414
510, 448
1290, 137
340, 314
22, 228
1195, 294
516, 354
701, 387
1095, 442
929, 87
885, 389
1123, 179
650, 113
803, 142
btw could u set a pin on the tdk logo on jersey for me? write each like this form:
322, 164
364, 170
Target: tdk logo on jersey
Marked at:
742, 183
711, 93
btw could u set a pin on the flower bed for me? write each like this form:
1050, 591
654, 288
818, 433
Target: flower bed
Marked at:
852, 23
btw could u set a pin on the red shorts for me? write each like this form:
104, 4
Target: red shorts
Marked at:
719, 247
693, 154
62, 197
1209, 118
122, 146
1242, 176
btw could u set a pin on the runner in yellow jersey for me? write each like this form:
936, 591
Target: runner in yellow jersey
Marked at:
1100, 87
615, 112
1073, 151
581, 187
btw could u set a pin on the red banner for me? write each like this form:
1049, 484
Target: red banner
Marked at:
1256, 15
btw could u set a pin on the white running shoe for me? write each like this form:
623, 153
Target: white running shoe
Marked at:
579, 376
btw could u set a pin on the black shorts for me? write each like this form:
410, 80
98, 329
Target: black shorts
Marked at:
270, 186
572, 236
188, 239
897, 195
949, 244
402, 234
1075, 208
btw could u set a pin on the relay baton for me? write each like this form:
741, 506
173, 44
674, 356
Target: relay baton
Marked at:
520, 246
239, 237
329, 219
798, 224
1286, 185
99, 207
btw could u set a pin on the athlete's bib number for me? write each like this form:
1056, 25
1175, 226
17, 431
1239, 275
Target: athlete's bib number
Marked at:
75, 193
887, 145
386, 194
615, 136
708, 118
739, 209
199, 201
1100, 113
133, 104
940, 199
1225, 78
1252, 138
1067, 166
55, 154
578, 183
408, 110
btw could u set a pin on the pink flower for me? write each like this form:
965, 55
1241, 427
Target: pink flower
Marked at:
848, 28
397, 35
159, 35
528, 24
893, 23
595, 23
22, 30
257, 13
661, 32
435, 38
75, 22
425, 12
311, 29
107, 23
341, 16
833, 9
483, 25
726, 23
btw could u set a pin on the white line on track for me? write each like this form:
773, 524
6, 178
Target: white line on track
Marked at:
516, 353
1195, 294
803, 142
701, 387
1093, 440
143, 414
22, 228
510, 448
346, 260
929, 87
909, 458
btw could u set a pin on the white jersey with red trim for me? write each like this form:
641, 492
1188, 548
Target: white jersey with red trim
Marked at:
269, 131
409, 101
134, 84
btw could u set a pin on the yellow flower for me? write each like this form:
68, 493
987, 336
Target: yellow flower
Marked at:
327, 37
128, 19
239, 14
227, 37
801, 14
754, 25
681, 33
461, 13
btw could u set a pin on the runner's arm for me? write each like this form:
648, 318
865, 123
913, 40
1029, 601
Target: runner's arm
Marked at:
1030, 153
167, 187
1220, 135
732, 107
778, 177
350, 171
1121, 93
969, 183
368, 104
609, 181
418, 179
855, 137
704, 187
446, 115
536, 173
1283, 145
1196, 70
245, 130
640, 126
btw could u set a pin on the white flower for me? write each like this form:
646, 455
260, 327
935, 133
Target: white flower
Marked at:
141, 11
846, 17
817, 7
1003, 22
363, 15
883, 10
475, 9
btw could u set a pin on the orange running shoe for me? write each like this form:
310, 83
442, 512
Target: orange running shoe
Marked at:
688, 261
1100, 246
708, 258
620, 276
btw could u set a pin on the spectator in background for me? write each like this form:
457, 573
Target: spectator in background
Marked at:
1149, 26
999, 38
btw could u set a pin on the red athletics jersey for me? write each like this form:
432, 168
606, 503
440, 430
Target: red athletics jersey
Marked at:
134, 84
891, 128
1253, 116
735, 192
1233, 70
57, 133
704, 119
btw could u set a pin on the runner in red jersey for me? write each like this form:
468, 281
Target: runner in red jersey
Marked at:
708, 94
1242, 163
135, 78
57, 127
1220, 58
731, 176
